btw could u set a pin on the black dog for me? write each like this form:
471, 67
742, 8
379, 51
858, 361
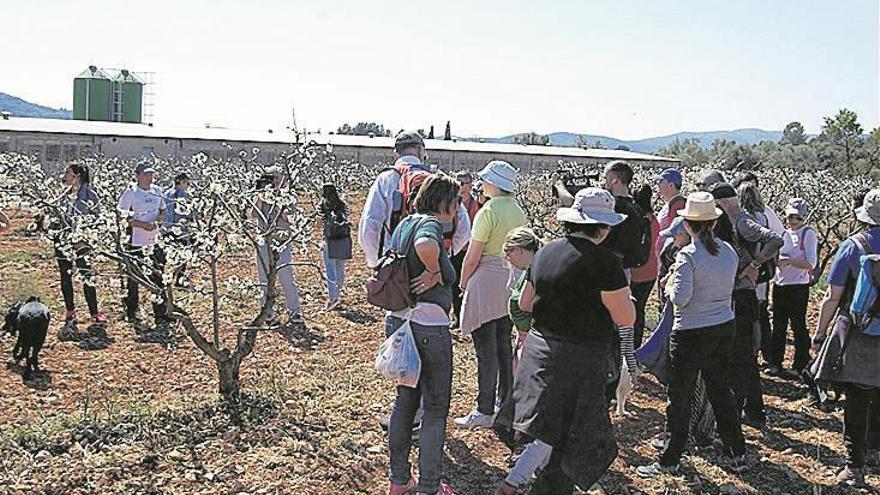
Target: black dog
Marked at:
31, 320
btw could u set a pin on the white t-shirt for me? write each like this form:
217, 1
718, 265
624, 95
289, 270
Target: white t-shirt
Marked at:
145, 205
792, 248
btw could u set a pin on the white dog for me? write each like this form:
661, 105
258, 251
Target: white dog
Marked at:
624, 387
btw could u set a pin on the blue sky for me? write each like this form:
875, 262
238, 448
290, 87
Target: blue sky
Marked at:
624, 68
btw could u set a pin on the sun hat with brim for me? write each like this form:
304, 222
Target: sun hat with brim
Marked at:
674, 229
869, 212
500, 174
591, 205
700, 207
797, 206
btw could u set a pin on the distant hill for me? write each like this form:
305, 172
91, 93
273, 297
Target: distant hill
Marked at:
21, 108
649, 145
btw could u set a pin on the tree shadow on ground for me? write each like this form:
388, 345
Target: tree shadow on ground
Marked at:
780, 442
358, 316
467, 473
94, 338
800, 420
166, 335
788, 389
301, 336
39, 380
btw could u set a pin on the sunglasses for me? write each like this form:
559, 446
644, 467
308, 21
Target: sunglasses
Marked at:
796, 217
463, 182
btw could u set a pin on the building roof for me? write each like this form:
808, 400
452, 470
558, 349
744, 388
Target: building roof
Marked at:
285, 136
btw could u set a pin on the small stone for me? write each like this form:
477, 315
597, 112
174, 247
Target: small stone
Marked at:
42, 455
375, 449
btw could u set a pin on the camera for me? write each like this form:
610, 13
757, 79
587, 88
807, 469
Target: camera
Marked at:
574, 180
264, 181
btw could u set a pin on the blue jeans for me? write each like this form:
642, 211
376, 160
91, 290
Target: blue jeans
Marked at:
335, 274
434, 390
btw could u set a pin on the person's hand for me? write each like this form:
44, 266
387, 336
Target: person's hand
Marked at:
784, 262
750, 273
462, 284
149, 226
424, 282
818, 340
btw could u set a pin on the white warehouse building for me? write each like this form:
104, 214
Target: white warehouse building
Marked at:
54, 141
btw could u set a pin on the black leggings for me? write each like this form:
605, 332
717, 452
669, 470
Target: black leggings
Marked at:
65, 267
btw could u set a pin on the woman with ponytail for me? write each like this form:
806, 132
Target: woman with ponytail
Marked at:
701, 288
82, 201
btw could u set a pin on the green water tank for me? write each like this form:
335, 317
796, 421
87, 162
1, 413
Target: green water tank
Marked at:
93, 95
128, 97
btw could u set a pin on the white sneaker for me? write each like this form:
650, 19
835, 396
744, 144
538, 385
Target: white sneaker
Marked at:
475, 419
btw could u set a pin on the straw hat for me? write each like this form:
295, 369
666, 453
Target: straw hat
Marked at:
700, 207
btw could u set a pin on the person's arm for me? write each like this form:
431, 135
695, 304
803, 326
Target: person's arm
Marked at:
811, 251
826, 312
4, 222
770, 241
563, 197
428, 251
527, 297
682, 288
773, 221
471, 261
462, 233
619, 304
375, 213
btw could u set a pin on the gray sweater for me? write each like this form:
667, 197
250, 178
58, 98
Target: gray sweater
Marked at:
702, 286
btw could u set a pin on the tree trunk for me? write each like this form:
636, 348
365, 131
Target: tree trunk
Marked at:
228, 373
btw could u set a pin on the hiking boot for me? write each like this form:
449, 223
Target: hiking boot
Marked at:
296, 319
851, 476
772, 370
70, 316
655, 469
475, 419
406, 489
99, 319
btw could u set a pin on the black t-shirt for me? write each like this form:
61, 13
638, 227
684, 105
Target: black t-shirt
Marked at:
569, 275
624, 238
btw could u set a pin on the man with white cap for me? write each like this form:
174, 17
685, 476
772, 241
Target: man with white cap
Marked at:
391, 194
142, 205
486, 284
390, 199
859, 373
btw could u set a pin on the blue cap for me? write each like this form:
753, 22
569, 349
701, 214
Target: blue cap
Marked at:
674, 229
671, 175
144, 168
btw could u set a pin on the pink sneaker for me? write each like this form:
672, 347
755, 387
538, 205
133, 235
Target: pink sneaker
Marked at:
402, 489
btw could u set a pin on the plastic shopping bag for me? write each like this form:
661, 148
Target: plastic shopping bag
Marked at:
398, 358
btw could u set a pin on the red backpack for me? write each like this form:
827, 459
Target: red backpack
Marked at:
403, 199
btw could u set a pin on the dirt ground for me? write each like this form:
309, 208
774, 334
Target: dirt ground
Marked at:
114, 414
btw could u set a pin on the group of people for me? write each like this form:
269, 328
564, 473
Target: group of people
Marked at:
149, 212
578, 306
715, 259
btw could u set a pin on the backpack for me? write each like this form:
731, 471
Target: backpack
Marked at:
411, 179
631, 240
865, 305
389, 286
